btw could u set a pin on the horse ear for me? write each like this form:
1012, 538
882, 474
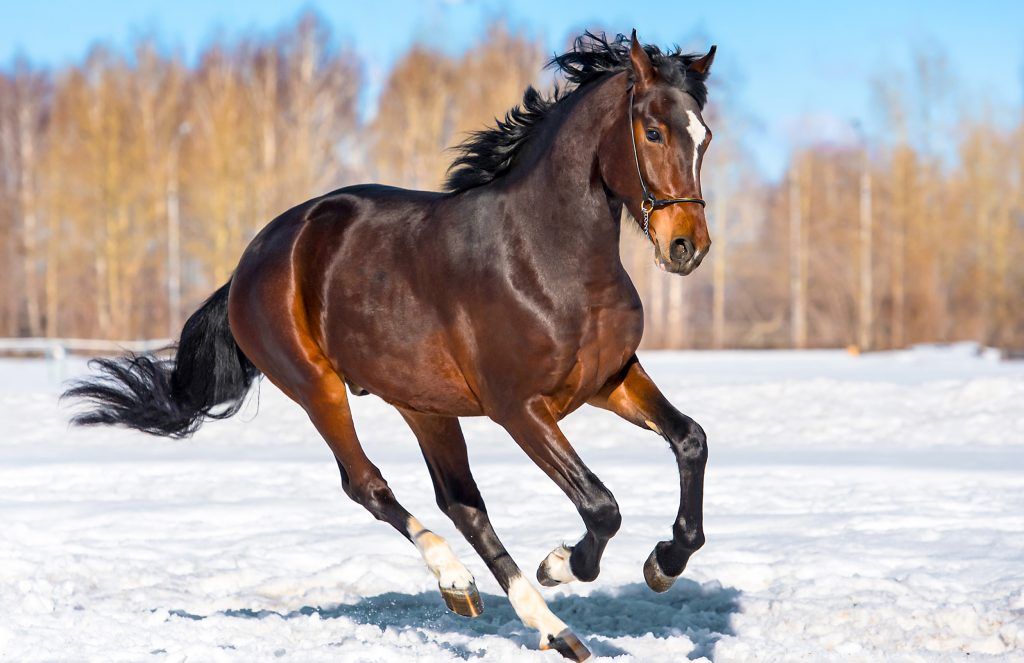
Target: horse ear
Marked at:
702, 65
643, 69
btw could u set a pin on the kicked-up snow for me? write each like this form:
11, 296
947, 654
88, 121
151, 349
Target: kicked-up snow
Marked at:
857, 508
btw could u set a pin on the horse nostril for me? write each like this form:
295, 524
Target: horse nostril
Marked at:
681, 250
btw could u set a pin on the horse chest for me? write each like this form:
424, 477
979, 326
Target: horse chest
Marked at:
608, 337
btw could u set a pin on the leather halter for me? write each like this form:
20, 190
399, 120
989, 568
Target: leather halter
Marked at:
650, 202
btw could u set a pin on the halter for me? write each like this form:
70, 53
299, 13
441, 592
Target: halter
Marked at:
650, 202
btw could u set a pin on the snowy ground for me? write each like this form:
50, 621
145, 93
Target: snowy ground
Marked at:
864, 508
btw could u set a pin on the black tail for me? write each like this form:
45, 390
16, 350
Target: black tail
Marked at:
207, 379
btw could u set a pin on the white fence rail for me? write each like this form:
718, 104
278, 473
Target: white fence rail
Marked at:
58, 348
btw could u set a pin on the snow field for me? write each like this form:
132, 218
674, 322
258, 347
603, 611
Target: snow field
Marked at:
865, 508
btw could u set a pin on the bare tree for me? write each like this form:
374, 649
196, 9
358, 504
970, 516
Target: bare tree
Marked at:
29, 89
126, 170
797, 257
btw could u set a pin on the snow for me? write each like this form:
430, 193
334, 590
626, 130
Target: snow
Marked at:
864, 508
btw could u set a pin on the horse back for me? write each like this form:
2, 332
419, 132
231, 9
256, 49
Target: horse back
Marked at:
419, 298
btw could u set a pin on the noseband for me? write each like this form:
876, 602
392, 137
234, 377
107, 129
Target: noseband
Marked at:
650, 202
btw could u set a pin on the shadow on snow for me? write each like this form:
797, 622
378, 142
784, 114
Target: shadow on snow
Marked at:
702, 613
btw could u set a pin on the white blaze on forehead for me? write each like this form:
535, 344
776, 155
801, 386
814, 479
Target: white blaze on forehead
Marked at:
698, 133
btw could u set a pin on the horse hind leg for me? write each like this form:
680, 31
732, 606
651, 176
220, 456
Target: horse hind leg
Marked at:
290, 358
444, 449
327, 406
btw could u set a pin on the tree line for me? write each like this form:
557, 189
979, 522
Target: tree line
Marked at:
131, 182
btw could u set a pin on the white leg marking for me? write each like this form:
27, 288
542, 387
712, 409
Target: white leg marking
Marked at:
440, 559
556, 564
532, 610
697, 132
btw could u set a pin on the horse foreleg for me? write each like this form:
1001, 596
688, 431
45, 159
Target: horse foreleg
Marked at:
633, 396
444, 449
536, 431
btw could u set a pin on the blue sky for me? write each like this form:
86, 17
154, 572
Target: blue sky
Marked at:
800, 69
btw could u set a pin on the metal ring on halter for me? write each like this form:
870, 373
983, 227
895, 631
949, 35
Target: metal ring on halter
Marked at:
647, 206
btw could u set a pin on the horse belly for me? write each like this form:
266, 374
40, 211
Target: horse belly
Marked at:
408, 363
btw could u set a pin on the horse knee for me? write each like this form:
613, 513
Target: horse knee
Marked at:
692, 444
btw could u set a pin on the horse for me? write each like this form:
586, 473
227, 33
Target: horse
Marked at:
502, 296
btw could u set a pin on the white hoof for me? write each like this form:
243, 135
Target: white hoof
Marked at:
555, 569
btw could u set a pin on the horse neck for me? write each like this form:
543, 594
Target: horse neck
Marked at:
564, 201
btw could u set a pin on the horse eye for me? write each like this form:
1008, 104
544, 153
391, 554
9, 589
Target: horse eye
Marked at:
654, 135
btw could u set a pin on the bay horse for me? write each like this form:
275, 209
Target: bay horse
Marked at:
504, 296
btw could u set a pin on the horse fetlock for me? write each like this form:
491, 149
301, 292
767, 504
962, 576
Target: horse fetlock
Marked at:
439, 558
455, 582
692, 539
668, 559
687, 537
603, 519
533, 611
450, 572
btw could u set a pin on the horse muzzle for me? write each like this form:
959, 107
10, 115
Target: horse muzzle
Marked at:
683, 257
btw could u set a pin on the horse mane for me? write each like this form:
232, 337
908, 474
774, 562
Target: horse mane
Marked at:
489, 153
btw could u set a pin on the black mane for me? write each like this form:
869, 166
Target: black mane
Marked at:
487, 154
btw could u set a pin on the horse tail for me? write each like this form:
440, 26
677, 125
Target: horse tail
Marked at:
208, 378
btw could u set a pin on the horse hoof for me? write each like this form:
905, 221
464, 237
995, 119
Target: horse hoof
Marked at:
465, 602
655, 577
568, 645
554, 570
